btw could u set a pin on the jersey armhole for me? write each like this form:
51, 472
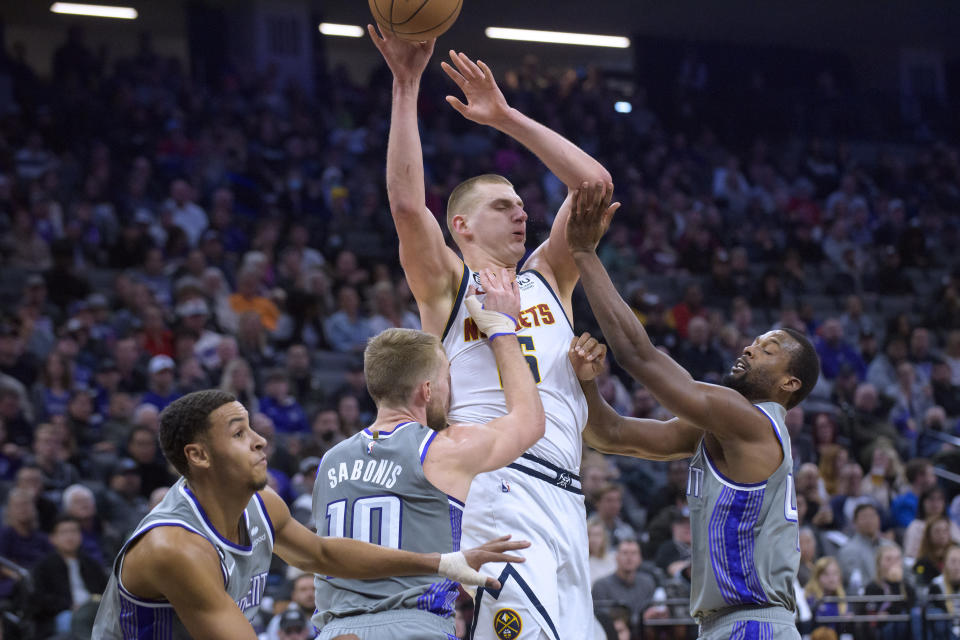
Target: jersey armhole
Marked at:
136, 537
461, 290
553, 293
776, 431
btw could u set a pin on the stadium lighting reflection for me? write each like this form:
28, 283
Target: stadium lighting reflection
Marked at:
347, 30
557, 37
94, 10
623, 107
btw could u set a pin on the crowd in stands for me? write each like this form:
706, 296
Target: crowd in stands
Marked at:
159, 235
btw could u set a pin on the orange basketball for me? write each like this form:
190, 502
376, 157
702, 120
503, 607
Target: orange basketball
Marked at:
415, 19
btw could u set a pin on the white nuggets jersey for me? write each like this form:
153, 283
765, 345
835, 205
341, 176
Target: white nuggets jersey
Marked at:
544, 333
537, 497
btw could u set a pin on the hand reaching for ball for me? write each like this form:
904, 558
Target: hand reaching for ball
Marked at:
485, 102
587, 355
406, 59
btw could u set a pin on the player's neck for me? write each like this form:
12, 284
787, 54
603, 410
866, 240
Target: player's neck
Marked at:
388, 417
223, 507
477, 259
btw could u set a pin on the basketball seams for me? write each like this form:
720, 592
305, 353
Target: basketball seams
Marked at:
387, 21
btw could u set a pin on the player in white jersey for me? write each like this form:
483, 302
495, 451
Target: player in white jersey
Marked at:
537, 497
740, 487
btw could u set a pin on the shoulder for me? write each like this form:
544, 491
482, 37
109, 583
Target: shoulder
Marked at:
173, 544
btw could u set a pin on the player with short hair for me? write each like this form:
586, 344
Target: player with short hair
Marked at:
538, 496
197, 564
403, 480
740, 484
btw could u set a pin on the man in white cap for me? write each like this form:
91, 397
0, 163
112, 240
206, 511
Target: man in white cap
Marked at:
160, 387
194, 314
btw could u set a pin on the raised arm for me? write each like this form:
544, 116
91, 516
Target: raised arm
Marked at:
462, 451
430, 265
348, 558
609, 432
716, 409
571, 164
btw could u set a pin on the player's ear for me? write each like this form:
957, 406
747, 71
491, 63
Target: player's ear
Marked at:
197, 455
790, 384
459, 223
424, 392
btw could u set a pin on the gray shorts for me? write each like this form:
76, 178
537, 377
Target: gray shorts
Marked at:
751, 623
405, 624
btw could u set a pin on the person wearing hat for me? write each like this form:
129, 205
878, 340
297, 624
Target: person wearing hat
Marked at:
160, 386
295, 620
294, 626
193, 315
282, 408
121, 506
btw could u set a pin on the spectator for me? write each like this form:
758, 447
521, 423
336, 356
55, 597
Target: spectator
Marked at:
282, 626
673, 555
834, 351
946, 584
238, 380
827, 581
65, 579
698, 356
885, 478
325, 433
946, 394
601, 555
808, 554
890, 582
857, 557
627, 586
52, 392
121, 504
142, 448
80, 504
933, 550
185, 213
801, 444
609, 502
386, 312
690, 306
283, 409
21, 540
49, 451
867, 420
304, 384
848, 496
248, 299
920, 476
347, 330
161, 390
932, 505
833, 458
348, 410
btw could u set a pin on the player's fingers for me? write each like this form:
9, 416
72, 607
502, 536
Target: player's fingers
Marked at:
454, 74
460, 64
472, 290
457, 105
608, 215
582, 340
487, 74
492, 583
473, 69
376, 37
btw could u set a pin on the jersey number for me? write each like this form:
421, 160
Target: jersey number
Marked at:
526, 346
375, 519
790, 506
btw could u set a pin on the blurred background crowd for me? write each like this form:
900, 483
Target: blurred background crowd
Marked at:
161, 234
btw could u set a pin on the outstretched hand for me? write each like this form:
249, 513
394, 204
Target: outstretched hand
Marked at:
406, 59
590, 215
587, 355
485, 102
494, 551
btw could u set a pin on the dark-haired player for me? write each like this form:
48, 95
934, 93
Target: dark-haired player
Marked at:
740, 486
197, 564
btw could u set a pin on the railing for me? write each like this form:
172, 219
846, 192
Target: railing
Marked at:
861, 617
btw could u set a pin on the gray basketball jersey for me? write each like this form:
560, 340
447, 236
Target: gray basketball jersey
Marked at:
373, 489
123, 615
746, 547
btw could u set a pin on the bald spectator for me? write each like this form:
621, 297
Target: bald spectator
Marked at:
80, 504
628, 586
867, 419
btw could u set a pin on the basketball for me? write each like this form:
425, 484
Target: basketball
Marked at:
415, 20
